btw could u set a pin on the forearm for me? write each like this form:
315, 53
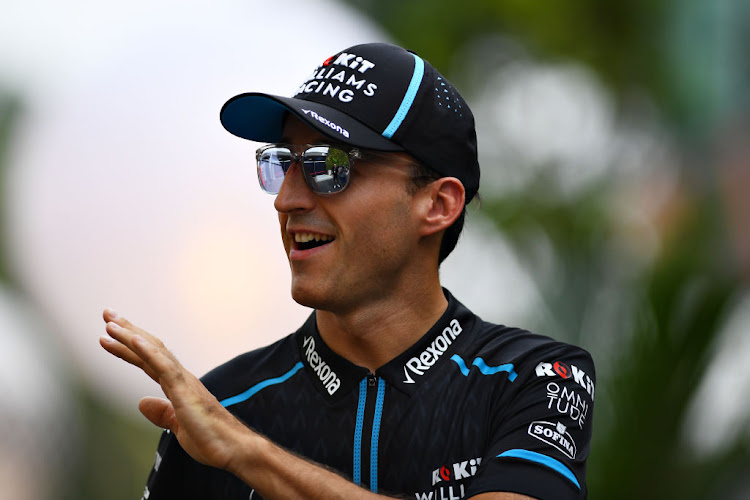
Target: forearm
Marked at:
279, 474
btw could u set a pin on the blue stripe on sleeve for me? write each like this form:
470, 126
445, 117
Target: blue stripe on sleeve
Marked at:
260, 385
550, 462
411, 93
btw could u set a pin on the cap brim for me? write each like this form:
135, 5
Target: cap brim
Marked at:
260, 117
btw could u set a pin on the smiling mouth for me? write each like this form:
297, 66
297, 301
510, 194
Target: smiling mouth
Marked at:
307, 241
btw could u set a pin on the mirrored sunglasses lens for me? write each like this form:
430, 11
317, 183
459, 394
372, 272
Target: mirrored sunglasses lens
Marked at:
326, 169
272, 166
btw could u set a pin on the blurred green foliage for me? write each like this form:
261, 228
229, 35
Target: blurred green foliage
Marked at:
9, 109
672, 312
623, 40
115, 454
687, 56
663, 316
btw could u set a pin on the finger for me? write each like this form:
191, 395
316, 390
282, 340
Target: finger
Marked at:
122, 335
111, 316
121, 351
125, 335
152, 357
159, 412
165, 366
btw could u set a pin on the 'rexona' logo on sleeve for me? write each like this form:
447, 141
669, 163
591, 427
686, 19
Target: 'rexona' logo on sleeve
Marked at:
418, 365
328, 377
566, 371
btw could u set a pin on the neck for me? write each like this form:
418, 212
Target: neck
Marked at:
377, 332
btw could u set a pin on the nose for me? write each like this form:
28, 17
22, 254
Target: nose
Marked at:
294, 195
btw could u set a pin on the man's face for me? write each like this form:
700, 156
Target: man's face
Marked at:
367, 235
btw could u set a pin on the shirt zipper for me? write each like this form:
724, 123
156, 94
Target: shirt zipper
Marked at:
363, 425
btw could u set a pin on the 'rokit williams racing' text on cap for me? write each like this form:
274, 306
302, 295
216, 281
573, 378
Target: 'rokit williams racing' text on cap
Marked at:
374, 96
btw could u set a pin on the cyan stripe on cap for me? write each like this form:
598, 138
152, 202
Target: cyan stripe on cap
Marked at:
411, 93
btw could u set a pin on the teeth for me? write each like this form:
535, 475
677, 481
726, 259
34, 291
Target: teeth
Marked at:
307, 237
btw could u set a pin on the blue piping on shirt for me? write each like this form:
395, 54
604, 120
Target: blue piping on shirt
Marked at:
260, 385
358, 432
375, 436
484, 368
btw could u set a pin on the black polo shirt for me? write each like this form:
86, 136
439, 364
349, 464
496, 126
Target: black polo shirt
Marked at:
471, 407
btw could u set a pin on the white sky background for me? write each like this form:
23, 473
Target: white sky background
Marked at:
125, 191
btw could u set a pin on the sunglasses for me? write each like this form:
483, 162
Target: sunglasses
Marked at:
326, 168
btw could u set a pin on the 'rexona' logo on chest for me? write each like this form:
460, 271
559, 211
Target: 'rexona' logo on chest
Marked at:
330, 380
418, 365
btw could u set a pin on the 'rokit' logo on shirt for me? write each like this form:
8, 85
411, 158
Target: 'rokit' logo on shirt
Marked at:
448, 481
418, 365
328, 377
563, 370
457, 471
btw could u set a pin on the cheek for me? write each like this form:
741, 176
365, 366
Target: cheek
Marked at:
388, 229
282, 231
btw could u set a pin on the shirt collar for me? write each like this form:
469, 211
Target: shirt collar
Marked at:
430, 353
335, 376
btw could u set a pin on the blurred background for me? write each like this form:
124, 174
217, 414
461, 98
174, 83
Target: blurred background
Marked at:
614, 139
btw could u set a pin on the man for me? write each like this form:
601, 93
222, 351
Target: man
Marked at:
392, 386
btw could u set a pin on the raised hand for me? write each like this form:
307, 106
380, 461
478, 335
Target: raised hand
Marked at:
205, 429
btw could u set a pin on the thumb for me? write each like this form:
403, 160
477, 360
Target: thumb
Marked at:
159, 412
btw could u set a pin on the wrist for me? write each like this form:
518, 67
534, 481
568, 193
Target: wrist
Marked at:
249, 448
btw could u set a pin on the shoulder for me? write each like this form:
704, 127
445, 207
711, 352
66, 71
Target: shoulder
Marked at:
532, 355
491, 345
491, 339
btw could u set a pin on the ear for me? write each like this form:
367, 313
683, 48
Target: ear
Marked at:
444, 202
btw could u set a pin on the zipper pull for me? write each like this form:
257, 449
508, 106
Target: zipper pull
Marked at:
371, 380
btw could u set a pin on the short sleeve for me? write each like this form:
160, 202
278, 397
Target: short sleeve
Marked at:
541, 428
170, 463
175, 474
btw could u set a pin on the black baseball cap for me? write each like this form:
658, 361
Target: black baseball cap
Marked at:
374, 96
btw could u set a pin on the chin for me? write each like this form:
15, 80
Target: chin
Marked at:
305, 296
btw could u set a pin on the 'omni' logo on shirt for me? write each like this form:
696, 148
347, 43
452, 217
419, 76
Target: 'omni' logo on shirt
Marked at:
418, 365
328, 377
558, 368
